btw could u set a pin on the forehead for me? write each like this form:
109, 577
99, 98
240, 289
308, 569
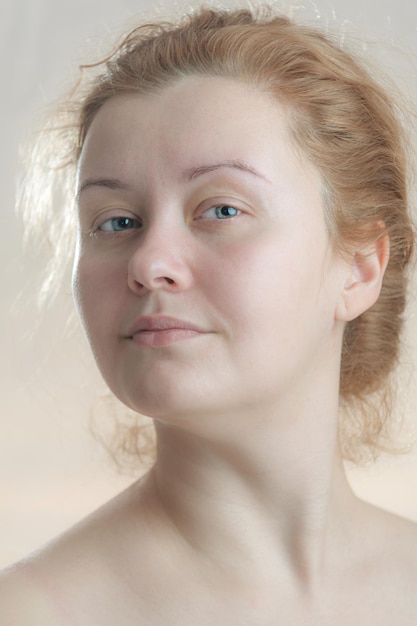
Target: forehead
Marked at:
193, 121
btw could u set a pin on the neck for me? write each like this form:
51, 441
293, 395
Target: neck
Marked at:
271, 499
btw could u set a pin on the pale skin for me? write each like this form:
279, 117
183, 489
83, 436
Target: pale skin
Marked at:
247, 516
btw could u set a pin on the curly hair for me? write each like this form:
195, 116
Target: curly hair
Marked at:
340, 118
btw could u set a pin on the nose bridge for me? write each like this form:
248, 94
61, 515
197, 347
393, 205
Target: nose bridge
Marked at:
159, 258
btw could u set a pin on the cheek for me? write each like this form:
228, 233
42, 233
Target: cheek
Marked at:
261, 272
96, 284
274, 282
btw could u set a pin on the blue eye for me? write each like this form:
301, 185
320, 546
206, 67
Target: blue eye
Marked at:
119, 224
222, 212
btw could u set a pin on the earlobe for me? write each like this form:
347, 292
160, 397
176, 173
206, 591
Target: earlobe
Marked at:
364, 281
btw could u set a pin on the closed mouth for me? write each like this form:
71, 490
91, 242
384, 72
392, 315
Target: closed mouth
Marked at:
162, 332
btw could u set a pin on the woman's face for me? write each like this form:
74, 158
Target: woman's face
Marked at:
204, 273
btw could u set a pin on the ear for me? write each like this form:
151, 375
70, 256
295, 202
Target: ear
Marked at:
364, 281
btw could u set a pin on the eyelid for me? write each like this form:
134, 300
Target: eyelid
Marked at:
222, 201
115, 219
109, 214
222, 205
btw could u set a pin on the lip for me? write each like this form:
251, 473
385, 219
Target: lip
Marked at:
162, 330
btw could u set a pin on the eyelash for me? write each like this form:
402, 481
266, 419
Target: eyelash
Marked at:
120, 224
134, 223
220, 208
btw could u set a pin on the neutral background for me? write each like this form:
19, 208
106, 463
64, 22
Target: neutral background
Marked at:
52, 472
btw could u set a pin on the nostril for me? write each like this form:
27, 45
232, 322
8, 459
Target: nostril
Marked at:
169, 280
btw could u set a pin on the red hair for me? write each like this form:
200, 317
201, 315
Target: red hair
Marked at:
344, 122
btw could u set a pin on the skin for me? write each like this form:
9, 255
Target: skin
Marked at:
247, 515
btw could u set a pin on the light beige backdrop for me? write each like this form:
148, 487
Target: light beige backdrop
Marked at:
52, 472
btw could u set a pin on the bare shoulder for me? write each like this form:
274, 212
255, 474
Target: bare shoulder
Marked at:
401, 557
400, 538
392, 546
75, 579
22, 601
41, 589
391, 536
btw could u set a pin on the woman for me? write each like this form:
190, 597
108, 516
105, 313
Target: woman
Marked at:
242, 244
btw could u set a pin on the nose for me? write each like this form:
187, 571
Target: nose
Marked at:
158, 263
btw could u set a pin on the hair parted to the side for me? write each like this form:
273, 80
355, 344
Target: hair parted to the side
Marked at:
340, 118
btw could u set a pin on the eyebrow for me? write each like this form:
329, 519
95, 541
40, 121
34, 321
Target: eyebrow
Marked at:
108, 183
194, 172
190, 174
